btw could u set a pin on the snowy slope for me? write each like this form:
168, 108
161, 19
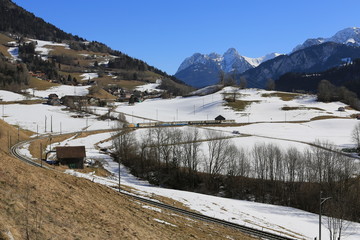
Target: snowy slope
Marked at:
60, 90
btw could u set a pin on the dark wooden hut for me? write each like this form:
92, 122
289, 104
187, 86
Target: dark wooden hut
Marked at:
221, 118
73, 156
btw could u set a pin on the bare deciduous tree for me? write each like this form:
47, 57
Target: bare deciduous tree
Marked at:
217, 153
239, 164
191, 150
355, 135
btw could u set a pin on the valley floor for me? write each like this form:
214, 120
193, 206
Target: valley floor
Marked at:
267, 118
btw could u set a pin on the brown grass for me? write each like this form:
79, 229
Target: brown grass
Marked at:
4, 50
5, 39
326, 117
100, 93
286, 108
282, 95
240, 105
52, 205
9, 135
28, 102
127, 84
40, 84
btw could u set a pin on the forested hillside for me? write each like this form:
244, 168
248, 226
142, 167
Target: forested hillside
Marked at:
347, 75
68, 57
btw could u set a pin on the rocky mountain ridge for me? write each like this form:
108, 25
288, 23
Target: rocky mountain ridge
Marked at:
313, 59
349, 36
314, 55
207, 66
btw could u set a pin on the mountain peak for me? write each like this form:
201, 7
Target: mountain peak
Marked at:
349, 36
231, 51
201, 70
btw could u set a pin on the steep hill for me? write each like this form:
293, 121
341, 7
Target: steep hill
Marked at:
62, 57
41, 204
37, 203
347, 75
16, 20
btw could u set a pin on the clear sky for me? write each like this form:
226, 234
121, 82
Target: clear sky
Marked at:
164, 32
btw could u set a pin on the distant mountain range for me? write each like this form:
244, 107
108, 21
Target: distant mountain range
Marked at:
313, 55
201, 70
348, 36
316, 58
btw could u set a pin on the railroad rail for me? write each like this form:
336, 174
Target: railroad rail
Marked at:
247, 230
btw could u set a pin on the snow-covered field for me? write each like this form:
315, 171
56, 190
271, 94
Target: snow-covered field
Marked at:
262, 109
266, 117
60, 91
151, 87
7, 96
44, 47
288, 221
89, 76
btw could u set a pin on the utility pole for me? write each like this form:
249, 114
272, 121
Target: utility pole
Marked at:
51, 129
120, 151
45, 123
322, 200
50, 138
41, 154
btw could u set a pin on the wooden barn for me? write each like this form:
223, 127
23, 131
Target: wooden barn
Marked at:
73, 156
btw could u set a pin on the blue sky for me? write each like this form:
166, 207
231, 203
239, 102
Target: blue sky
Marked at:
164, 32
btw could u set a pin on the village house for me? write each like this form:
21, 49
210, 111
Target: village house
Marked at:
53, 99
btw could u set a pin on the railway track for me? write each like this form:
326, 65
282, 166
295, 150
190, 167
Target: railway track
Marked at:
247, 230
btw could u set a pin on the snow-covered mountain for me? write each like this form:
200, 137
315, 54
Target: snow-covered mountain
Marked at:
349, 36
201, 70
231, 60
312, 59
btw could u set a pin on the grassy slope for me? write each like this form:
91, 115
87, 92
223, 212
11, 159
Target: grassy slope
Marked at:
3, 40
51, 205
40, 84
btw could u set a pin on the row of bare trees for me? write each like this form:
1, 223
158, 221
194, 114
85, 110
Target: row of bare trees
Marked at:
208, 161
214, 153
